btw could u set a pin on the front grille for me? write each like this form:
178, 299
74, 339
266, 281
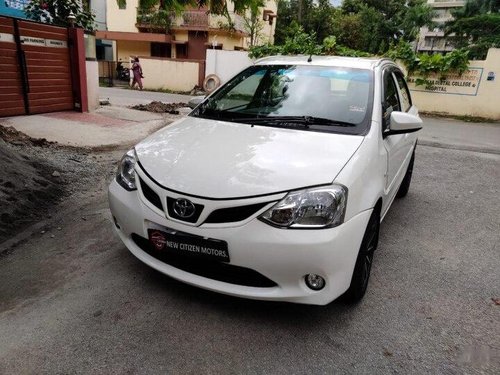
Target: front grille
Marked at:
210, 269
192, 219
150, 195
233, 214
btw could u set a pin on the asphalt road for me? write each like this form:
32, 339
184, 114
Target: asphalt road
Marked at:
79, 302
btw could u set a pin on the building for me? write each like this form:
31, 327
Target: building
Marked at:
13, 8
434, 40
126, 30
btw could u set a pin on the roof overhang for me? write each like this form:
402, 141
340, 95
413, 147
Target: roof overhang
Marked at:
137, 37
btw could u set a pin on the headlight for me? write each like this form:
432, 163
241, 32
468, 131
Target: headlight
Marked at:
311, 208
125, 175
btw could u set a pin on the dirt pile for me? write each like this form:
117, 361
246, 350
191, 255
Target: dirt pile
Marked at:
36, 176
11, 135
27, 189
160, 107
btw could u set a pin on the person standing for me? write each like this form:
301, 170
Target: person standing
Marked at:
137, 72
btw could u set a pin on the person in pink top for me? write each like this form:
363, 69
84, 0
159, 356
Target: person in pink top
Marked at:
137, 72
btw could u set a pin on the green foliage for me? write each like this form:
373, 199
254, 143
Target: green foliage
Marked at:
476, 26
56, 12
252, 20
156, 19
422, 65
257, 52
312, 16
367, 25
302, 43
176, 6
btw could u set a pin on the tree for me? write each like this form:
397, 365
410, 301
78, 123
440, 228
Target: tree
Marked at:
313, 18
475, 26
418, 15
384, 23
253, 21
367, 25
56, 12
220, 6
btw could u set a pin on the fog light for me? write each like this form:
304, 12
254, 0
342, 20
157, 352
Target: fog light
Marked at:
315, 282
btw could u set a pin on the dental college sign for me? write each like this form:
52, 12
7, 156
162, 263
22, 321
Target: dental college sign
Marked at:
453, 84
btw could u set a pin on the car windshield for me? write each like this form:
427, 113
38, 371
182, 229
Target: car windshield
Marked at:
321, 98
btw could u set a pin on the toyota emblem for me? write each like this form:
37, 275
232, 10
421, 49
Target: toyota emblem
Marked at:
184, 208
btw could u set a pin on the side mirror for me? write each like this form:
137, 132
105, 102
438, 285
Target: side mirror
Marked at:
193, 103
402, 122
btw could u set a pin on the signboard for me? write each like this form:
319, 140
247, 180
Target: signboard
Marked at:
56, 43
9, 38
40, 42
453, 84
31, 41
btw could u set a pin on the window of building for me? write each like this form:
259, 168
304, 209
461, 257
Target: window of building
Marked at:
122, 4
160, 49
181, 51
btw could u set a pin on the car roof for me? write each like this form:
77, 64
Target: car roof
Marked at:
339, 61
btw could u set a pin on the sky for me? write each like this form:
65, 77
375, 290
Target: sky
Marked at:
335, 2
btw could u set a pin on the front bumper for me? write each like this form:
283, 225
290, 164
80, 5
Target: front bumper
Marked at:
284, 256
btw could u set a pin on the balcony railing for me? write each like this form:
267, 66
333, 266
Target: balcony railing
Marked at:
156, 20
162, 21
194, 18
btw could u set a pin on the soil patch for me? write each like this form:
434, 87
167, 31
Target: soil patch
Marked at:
36, 175
160, 107
11, 135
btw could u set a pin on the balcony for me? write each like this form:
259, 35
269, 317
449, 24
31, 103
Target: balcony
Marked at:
161, 21
154, 21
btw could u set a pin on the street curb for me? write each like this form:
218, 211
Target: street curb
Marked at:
451, 146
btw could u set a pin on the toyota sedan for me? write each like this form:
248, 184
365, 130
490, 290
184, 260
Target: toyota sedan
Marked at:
274, 187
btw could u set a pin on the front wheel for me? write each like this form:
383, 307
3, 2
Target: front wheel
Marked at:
361, 275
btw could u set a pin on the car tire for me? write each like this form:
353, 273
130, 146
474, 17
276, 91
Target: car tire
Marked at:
405, 185
364, 261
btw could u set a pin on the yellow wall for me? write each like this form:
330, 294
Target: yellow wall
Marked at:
126, 49
267, 33
228, 42
181, 35
122, 19
169, 74
468, 95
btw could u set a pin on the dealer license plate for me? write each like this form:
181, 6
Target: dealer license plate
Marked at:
189, 245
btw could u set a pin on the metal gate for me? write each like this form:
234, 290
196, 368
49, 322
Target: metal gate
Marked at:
35, 73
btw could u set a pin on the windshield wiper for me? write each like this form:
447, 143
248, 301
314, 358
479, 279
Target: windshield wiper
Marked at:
302, 120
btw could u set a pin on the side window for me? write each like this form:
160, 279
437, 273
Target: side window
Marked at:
405, 93
391, 99
241, 94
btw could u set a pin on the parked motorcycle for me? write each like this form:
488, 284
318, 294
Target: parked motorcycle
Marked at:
122, 73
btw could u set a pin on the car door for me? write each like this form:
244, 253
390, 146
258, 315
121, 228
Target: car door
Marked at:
396, 97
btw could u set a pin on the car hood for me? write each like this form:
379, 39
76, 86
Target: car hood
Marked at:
216, 159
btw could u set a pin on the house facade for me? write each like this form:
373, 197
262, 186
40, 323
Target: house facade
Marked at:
125, 30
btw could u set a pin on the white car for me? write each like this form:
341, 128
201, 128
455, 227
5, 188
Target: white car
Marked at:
274, 187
